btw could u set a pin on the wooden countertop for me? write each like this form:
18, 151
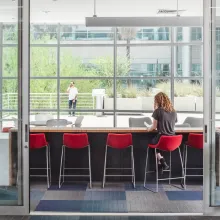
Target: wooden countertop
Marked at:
103, 130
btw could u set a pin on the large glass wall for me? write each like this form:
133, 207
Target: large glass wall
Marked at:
116, 78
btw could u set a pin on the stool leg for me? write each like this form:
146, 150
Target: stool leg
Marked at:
186, 154
145, 174
90, 171
170, 168
47, 160
156, 170
64, 162
133, 170
49, 164
183, 174
103, 183
61, 162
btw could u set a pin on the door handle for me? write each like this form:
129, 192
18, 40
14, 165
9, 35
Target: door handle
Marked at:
205, 133
26, 133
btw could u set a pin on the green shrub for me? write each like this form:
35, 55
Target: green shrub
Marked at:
129, 93
182, 89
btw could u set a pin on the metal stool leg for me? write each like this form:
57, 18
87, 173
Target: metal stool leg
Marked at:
64, 162
50, 165
183, 174
90, 171
156, 170
103, 183
170, 168
47, 161
133, 169
61, 162
145, 174
185, 165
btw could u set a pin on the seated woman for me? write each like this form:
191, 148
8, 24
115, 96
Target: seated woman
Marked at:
164, 119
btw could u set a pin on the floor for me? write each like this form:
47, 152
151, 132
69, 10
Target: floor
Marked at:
116, 197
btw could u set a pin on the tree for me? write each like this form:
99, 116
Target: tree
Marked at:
127, 34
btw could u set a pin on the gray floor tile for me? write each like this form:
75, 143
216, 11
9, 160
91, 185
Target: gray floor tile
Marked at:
64, 195
108, 187
149, 196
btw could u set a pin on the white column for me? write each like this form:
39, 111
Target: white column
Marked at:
186, 56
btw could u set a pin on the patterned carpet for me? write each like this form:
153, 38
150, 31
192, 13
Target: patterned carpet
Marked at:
116, 197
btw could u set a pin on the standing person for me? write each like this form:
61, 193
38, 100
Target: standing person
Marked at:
73, 92
164, 119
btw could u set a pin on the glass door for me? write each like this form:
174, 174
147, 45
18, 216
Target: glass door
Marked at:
212, 107
14, 107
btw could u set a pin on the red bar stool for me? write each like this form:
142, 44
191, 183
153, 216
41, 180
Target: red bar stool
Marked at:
74, 141
169, 144
119, 141
38, 141
194, 141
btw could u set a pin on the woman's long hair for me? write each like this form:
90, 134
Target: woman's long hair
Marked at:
163, 101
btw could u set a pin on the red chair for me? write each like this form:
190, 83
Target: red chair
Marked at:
74, 141
169, 144
38, 141
194, 141
119, 141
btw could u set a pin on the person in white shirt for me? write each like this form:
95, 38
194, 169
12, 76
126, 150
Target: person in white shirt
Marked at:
73, 92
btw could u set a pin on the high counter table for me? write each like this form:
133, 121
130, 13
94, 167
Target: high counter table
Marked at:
116, 158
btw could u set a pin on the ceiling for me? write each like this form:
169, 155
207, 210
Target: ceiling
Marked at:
75, 11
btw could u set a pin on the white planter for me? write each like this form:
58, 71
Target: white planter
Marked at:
199, 104
124, 104
148, 103
184, 103
108, 103
129, 103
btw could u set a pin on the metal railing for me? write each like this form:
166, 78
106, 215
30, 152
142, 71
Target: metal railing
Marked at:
48, 101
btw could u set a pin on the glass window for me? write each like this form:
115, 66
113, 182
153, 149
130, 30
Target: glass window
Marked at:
43, 61
144, 61
85, 98
43, 34
196, 33
126, 35
76, 33
190, 92
137, 94
43, 94
10, 34
86, 61
9, 61
9, 94
188, 61
218, 34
